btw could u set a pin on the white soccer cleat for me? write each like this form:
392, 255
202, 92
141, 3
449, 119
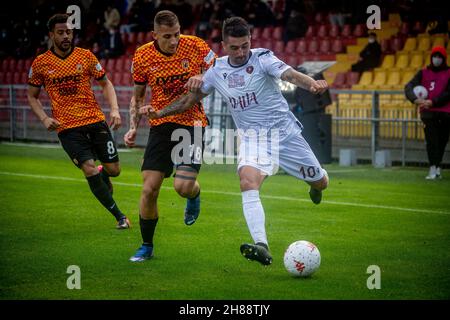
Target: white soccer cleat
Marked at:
431, 174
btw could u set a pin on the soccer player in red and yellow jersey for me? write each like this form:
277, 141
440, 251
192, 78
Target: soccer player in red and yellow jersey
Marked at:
166, 65
65, 72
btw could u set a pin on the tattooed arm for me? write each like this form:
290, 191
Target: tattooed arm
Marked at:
180, 105
304, 81
136, 102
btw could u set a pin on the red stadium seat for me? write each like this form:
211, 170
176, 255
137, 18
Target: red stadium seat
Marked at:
396, 44
352, 78
310, 32
385, 45
404, 29
28, 63
278, 47
215, 46
12, 65
127, 64
334, 31
149, 37
346, 31
266, 44
140, 37
324, 46
256, 33
4, 65
360, 30
337, 46
313, 47
20, 65
267, 33
216, 33
322, 32
301, 46
292, 60
23, 77
278, 33
9, 77
256, 43
290, 46
110, 65
339, 81
132, 38
2, 77
119, 64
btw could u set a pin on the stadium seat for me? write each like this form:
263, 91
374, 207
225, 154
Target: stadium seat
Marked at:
278, 47
404, 28
140, 37
324, 46
322, 32
352, 78
416, 61
337, 46
20, 65
333, 32
393, 81
110, 65
290, 46
215, 33
266, 44
396, 44
278, 33
378, 81
292, 60
424, 44
410, 45
149, 37
267, 33
8, 77
346, 31
360, 30
310, 32
385, 46
119, 64
301, 46
438, 41
313, 47
23, 77
388, 62
365, 80
256, 33
340, 80
132, 38
12, 65
4, 65
402, 61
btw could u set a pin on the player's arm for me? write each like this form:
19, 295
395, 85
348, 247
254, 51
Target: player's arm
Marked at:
137, 101
180, 105
33, 99
304, 81
110, 95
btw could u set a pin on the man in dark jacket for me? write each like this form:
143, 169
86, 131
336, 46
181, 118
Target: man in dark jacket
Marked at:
370, 56
435, 109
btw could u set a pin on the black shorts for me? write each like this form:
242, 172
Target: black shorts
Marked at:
162, 154
93, 141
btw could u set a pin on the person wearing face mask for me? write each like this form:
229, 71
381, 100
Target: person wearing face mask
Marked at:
435, 109
370, 56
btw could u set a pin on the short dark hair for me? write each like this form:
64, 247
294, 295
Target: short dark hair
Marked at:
57, 18
235, 27
167, 18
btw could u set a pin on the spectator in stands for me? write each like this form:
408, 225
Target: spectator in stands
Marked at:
204, 26
112, 18
435, 108
296, 26
370, 56
111, 44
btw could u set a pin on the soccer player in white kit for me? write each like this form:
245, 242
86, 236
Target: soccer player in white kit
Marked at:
270, 134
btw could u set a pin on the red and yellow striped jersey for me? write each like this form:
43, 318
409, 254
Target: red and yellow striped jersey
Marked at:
67, 82
166, 76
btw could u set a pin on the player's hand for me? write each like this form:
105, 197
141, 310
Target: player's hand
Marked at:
194, 83
115, 121
130, 138
319, 87
426, 104
148, 111
51, 124
419, 101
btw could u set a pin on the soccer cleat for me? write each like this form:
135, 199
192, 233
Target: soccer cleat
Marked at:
432, 174
192, 210
142, 254
315, 195
106, 179
438, 173
123, 223
257, 252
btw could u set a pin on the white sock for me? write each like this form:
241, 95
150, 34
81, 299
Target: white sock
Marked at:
254, 215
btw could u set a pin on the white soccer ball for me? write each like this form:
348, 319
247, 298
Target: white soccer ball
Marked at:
420, 92
302, 258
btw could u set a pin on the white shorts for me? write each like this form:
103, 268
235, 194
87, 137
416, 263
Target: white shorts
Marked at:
282, 147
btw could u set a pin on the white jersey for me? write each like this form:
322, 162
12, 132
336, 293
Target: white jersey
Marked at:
251, 90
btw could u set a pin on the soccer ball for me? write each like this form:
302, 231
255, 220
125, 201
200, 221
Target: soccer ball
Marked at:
302, 258
420, 92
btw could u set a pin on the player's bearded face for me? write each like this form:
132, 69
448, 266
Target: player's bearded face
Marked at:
62, 36
238, 49
167, 37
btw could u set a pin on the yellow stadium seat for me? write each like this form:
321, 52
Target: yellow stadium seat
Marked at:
393, 81
424, 44
416, 61
410, 44
407, 76
438, 41
388, 62
402, 61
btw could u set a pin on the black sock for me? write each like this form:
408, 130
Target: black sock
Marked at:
105, 175
147, 230
101, 192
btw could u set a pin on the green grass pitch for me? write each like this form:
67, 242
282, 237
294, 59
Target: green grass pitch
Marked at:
392, 218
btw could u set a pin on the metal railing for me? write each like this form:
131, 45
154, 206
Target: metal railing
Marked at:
364, 123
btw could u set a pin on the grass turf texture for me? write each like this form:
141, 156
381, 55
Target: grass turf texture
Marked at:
392, 218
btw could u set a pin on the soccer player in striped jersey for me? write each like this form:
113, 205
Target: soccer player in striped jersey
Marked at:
65, 72
270, 134
167, 65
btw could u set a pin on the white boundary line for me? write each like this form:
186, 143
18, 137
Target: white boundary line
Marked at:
238, 194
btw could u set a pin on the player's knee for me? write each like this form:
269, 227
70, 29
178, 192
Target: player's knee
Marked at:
89, 168
321, 184
248, 184
113, 169
150, 192
184, 189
